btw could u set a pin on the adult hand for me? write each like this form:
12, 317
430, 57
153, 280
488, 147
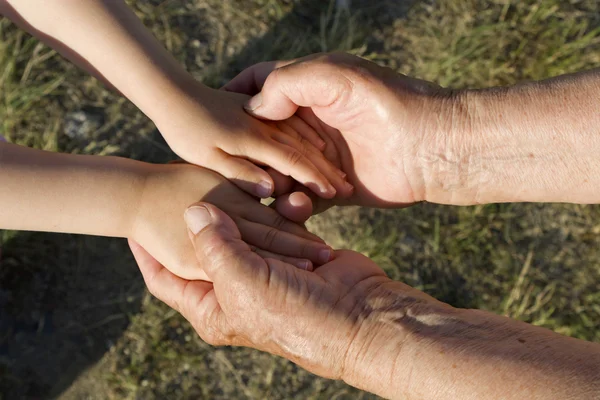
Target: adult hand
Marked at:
403, 140
252, 298
347, 320
383, 128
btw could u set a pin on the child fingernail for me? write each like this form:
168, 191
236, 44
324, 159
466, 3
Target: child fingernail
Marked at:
264, 189
349, 187
254, 102
324, 256
341, 173
197, 218
329, 189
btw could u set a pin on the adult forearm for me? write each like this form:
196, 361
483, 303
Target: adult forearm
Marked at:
415, 349
44, 191
534, 142
108, 36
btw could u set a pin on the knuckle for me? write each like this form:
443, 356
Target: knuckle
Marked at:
294, 157
304, 145
273, 77
212, 249
211, 336
279, 222
243, 173
306, 250
270, 237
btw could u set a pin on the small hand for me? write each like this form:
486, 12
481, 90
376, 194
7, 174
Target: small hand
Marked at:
209, 128
170, 189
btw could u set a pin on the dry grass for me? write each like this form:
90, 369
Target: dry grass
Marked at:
70, 302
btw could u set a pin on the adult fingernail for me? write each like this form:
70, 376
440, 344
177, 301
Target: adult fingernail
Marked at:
322, 144
264, 189
197, 218
254, 102
303, 264
324, 256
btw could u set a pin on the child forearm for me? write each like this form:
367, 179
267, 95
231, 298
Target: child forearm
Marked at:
107, 37
203, 126
43, 191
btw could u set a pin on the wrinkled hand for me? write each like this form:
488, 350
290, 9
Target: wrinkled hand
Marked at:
310, 318
380, 126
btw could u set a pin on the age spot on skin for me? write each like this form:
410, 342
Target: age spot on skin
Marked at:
531, 155
521, 340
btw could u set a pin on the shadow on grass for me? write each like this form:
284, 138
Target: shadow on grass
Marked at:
319, 26
65, 300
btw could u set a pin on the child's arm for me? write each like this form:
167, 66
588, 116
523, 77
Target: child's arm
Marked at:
53, 192
111, 196
204, 126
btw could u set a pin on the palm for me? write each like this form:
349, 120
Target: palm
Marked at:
360, 148
252, 298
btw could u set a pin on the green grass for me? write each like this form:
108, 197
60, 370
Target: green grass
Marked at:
537, 263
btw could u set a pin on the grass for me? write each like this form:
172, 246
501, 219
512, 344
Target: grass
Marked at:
71, 303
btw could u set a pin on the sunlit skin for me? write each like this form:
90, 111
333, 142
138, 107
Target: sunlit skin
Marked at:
111, 196
347, 320
513, 144
204, 126
402, 140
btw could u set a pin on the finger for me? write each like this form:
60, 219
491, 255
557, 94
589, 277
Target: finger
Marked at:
220, 250
297, 211
305, 131
314, 82
285, 128
247, 176
264, 215
166, 286
251, 80
301, 263
276, 241
295, 206
292, 162
333, 174
283, 184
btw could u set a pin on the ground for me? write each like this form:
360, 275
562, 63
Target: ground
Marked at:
76, 320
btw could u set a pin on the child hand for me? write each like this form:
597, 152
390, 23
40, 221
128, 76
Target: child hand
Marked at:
159, 226
210, 128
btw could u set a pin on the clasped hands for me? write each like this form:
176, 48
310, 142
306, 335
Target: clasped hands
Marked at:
269, 284
266, 288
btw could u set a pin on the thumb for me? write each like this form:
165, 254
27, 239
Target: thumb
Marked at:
310, 83
218, 244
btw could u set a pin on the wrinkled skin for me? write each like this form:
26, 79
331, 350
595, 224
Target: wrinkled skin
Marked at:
252, 299
379, 126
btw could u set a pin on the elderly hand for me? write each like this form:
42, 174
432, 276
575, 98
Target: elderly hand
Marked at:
385, 130
347, 320
402, 140
252, 298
